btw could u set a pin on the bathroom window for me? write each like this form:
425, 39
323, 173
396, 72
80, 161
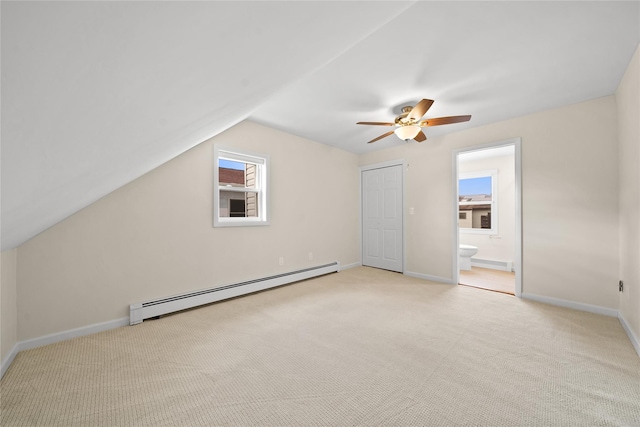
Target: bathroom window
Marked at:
478, 202
240, 188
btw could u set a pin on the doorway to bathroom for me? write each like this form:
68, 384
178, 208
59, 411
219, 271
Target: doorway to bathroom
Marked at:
488, 237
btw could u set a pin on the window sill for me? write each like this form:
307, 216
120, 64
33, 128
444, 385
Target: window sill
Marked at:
239, 223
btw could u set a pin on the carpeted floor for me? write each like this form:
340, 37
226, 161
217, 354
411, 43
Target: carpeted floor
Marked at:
360, 347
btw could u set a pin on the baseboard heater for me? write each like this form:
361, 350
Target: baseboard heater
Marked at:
146, 310
495, 265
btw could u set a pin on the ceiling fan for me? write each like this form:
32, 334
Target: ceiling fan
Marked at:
408, 124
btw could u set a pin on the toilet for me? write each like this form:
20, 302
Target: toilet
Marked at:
465, 254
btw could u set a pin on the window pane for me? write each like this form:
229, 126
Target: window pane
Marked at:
237, 208
475, 189
251, 175
236, 174
240, 195
236, 204
230, 164
475, 202
252, 205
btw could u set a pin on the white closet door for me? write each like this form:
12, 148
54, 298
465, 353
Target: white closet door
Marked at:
382, 218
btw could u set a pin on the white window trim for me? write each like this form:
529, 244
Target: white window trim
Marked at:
242, 156
493, 173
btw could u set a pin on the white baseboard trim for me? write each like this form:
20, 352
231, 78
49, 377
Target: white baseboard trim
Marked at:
61, 336
8, 359
348, 266
140, 311
429, 277
494, 265
635, 341
572, 304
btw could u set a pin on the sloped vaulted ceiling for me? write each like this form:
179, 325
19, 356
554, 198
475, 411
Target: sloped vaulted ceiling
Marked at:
95, 94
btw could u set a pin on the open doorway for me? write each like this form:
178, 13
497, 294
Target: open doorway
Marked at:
488, 243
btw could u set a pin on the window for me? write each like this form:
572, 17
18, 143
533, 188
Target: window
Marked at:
240, 186
478, 202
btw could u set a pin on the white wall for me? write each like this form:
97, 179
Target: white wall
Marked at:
154, 236
8, 302
628, 102
500, 247
569, 165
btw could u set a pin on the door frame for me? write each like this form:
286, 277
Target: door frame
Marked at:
517, 144
398, 162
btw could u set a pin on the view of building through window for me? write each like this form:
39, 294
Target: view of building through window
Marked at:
476, 202
238, 189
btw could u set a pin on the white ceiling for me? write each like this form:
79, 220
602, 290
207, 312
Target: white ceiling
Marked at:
95, 94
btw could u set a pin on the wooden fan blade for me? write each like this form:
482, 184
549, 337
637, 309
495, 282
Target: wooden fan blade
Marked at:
444, 120
376, 123
380, 137
420, 137
420, 109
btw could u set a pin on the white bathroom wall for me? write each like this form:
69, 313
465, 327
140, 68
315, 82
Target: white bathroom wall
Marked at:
498, 247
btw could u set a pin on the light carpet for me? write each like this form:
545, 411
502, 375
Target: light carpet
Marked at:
360, 347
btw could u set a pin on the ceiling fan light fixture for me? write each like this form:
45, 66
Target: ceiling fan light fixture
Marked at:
407, 132
408, 125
